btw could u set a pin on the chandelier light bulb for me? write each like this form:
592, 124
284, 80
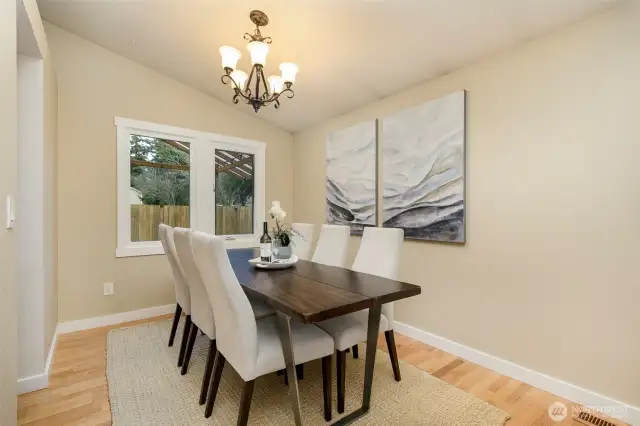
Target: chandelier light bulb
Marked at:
258, 51
240, 77
289, 71
230, 56
275, 84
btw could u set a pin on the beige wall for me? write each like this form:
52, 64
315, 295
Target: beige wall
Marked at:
8, 183
94, 85
548, 277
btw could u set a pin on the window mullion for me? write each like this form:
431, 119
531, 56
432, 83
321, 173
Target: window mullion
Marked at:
203, 193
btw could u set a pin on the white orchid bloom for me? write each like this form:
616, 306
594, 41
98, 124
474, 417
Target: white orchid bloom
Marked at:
276, 211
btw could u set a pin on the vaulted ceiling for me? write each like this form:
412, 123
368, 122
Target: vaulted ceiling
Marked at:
350, 52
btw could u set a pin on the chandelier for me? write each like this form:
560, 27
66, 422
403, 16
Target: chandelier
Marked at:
255, 89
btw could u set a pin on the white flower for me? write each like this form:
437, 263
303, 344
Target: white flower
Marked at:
276, 211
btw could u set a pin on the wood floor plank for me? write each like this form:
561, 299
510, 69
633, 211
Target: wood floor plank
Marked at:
443, 371
78, 393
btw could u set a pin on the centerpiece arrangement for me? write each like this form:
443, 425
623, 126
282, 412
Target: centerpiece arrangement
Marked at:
281, 234
276, 247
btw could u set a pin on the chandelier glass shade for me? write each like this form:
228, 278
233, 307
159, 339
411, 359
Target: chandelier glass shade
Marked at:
253, 88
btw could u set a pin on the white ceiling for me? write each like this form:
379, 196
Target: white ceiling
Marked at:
350, 52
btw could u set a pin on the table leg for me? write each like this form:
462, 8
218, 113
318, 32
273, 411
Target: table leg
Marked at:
372, 343
284, 328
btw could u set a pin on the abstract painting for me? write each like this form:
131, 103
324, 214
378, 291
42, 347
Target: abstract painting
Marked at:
423, 169
351, 163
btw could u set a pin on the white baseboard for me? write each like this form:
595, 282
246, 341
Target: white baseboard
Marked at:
39, 381
585, 397
95, 322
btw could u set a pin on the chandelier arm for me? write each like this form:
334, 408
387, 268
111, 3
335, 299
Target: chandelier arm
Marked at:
290, 95
236, 88
242, 95
288, 91
238, 91
247, 85
266, 95
235, 97
235, 85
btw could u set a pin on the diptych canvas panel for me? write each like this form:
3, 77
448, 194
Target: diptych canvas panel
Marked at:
351, 186
423, 170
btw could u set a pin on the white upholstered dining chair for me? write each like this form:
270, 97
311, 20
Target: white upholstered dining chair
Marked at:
183, 301
332, 246
201, 312
379, 254
303, 239
252, 347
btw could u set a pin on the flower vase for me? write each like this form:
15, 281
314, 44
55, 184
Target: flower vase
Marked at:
281, 252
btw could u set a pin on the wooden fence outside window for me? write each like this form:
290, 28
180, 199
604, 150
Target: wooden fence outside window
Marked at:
230, 220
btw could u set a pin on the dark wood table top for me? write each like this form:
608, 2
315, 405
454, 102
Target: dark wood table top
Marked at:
314, 292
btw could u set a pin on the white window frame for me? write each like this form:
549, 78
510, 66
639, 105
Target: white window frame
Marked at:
201, 172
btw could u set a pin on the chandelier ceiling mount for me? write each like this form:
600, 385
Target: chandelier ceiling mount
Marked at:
255, 89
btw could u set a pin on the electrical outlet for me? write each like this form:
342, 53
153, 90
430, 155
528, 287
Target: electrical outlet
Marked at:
108, 289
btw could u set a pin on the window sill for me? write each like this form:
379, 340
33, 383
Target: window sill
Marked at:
142, 250
241, 243
157, 249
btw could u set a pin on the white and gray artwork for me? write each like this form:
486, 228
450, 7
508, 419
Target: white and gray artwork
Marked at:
423, 167
351, 176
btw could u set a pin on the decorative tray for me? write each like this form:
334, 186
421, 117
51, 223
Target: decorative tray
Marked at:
276, 264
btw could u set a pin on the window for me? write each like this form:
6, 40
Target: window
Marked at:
234, 192
189, 179
159, 183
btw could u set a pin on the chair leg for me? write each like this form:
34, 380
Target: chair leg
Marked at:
354, 349
185, 339
207, 371
245, 402
215, 383
187, 354
300, 371
174, 326
393, 355
326, 386
341, 364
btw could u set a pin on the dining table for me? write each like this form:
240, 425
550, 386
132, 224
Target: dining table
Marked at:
312, 292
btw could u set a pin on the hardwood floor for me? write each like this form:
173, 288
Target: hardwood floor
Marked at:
77, 394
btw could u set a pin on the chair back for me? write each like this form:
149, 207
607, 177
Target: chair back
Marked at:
179, 281
302, 242
332, 245
237, 336
379, 254
201, 311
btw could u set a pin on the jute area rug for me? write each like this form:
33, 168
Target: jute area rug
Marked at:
146, 388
